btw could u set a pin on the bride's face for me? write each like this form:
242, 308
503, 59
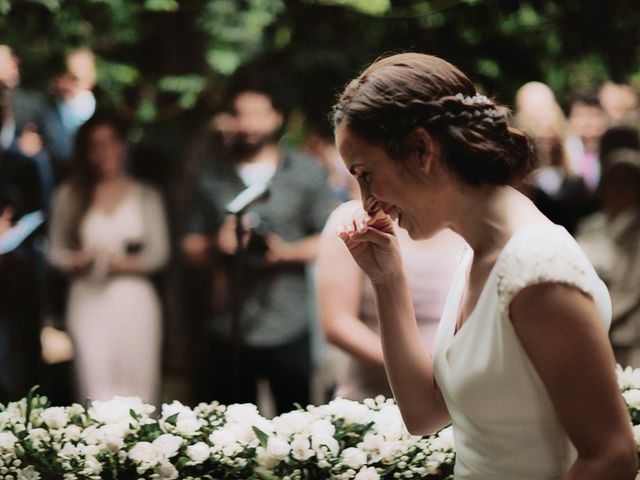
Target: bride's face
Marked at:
388, 185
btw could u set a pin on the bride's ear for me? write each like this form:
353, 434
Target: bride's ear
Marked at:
424, 149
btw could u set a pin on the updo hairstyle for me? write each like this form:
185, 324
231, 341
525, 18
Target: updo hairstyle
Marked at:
397, 94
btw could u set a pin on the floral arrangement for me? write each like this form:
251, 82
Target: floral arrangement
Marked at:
124, 439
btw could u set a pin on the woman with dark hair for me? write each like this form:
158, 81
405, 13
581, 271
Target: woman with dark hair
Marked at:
108, 233
521, 364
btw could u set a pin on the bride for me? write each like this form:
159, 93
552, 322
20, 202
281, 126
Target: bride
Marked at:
522, 366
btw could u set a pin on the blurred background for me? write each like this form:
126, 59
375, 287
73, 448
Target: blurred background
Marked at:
569, 70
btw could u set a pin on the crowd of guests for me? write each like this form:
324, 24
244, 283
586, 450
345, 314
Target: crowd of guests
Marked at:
91, 270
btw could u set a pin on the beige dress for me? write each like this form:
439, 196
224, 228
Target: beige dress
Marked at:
115, 321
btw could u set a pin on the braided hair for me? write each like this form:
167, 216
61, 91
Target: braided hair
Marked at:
397, 94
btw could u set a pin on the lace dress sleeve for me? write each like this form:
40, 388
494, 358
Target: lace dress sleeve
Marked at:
547, 254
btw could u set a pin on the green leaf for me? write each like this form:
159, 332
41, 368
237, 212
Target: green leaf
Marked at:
225, 61
265, 474
161, 5
5, 7
173, 419
133, 414
263, 438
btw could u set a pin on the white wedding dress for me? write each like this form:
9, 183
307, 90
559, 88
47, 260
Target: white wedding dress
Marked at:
505, 426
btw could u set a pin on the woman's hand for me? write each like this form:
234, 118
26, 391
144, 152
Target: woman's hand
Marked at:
79, 262
373, 245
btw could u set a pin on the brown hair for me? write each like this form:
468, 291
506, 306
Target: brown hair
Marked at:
82, 178
397, 94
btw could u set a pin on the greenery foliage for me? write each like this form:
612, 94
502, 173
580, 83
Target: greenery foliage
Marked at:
159, 59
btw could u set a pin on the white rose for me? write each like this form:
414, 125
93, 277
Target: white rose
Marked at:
301, 448
351, 411
244, 413
223, 437
321, 443
72, 432
167, 445
144, 453
117, 410
69, 451
7, 440
278, 448
187, 425
367, 473
323, 427
166, 471
291, 423
354, 458
55, 417
632, 397
265, 460
198, 452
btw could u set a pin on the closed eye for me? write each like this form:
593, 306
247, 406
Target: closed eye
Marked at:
364, 177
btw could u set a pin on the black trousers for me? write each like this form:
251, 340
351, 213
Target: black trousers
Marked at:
287, 368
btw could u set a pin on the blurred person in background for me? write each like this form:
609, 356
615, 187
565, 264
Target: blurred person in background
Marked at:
347, 307
24, 175
108, 234
615, 138
72, 104
284, 231
611, 240
587, 123
621, 103
553, 186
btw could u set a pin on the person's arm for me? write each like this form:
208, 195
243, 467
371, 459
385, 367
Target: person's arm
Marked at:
408, 364
560, 330
304, 250
339, 291
60, 255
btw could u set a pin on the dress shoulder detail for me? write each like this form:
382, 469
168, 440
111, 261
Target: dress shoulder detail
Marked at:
543, 254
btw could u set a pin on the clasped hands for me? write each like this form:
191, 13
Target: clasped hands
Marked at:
278, 250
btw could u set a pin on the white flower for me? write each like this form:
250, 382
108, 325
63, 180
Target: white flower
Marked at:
117, 410
92, 466
377, 447
38, 436
188, 425
28, 473
628, 377
632, 397
443, 441
323, 427
322, 443
55, 417
198, 452
636, 435
145, 454
278, 448
349, 410
68, 451
354, 458
367, 473
292, 423
167, 445
388, 422
301, 448
265, 460
7, 441
166, 471
72, 433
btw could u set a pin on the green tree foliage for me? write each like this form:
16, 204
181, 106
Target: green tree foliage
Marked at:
159, 59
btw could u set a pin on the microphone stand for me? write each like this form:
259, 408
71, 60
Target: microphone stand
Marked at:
237, 301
